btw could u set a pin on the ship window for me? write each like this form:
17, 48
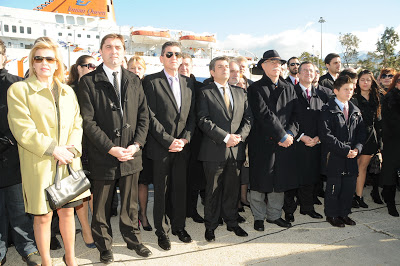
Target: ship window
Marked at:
6, 29
14, 29
59, 18
90, 20
69, 34
88, 36
81, 21
79, 35
9, 44
21, 45
21, 29
60, 34
97, 37
108, 8
29, 30
70, 20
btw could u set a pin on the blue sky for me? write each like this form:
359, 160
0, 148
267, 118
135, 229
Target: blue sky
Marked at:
289, 26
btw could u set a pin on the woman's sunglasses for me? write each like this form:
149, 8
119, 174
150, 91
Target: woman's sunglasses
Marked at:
39, 59
90, 66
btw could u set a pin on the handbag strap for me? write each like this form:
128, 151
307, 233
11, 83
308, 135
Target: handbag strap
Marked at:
57, 179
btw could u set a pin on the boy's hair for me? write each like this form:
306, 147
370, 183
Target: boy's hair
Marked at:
342, 80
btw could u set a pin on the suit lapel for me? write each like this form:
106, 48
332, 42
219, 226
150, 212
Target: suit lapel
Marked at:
217, 94
167, 88
235, 97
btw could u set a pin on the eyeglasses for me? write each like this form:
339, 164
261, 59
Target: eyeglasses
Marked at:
294, 64
170, 54
90, 66
39, 59
383, 76
274, 61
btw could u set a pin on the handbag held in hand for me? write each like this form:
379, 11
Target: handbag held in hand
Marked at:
66, 189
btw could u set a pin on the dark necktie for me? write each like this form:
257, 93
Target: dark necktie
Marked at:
116, 88
308, 94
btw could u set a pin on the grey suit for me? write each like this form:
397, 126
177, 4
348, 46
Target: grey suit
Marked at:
167, 123
222, 164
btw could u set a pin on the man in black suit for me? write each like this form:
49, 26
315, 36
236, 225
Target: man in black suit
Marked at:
273, 103
308, 150
333, 64
115, 122
293, 65
225, 120
170, 97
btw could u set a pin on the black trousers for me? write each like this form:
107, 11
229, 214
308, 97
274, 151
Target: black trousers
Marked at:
339, 194
305, 195
222, 192
169, 179
195, 184
103, 191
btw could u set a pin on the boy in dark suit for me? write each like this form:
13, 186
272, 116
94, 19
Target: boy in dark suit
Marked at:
342, 134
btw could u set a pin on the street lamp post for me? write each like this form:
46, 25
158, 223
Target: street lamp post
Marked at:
321, 20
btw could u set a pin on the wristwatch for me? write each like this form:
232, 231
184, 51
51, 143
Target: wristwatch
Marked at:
138, 147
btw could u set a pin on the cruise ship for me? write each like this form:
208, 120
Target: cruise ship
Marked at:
79, 25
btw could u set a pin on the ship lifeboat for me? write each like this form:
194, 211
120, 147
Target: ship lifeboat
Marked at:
197, 41
150, 37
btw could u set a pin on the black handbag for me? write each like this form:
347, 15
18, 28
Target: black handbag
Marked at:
66, 189
375, 165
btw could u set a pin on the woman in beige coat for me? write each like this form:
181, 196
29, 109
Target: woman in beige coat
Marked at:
45, 120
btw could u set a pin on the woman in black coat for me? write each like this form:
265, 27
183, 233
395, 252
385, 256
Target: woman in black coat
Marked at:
367, 98
391, 140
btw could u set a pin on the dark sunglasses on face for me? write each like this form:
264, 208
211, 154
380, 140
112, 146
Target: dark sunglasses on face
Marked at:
293, 64
39, 59
170, 54
90, 66
383, 76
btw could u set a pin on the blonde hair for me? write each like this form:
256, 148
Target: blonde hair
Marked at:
138, 59
47, 44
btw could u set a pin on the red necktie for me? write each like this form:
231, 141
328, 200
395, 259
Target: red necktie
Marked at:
308, 94
295, 81
346, 112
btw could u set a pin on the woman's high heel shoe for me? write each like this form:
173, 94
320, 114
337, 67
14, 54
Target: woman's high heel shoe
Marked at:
90, 245
146, 228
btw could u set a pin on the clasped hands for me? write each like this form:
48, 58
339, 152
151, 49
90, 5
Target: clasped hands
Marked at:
124, 154
63, 155
177, 145
310, 142
233, 140
352, 153
287, 142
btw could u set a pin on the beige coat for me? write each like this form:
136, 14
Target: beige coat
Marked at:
33, 121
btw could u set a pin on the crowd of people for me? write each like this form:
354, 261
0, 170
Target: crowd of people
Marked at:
270, 145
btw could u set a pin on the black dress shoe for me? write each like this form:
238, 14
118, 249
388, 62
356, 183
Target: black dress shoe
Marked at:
220, 221
163, 242
392, 210
280, 222
209, 235
3, 261
241, 209
238, 230
54, 243
240, 219
34, 259
182, 235
259, 225
375, 196
106, 256
347, 220
197, 218
140, 249
289, 217
317, 201
114, 212
312, 214
334, 221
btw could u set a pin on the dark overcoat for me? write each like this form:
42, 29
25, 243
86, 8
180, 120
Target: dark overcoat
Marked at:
104, 125
271, 166
391, 136
326, 81
338, 137
309, 158
9, 159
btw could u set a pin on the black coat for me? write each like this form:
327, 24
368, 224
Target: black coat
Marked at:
9, 159
216, 122
326, 81
338, 137
105, 127
372, 122
166, 122
309, 158
391, 136
274, 111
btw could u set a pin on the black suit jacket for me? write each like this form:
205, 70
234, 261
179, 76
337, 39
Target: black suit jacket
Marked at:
105, 127
326, 81
166, 121
216, 122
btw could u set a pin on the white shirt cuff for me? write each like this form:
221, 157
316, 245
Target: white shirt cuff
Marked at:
227, 138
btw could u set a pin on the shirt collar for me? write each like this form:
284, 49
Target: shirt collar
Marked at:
304, 88
340, 104
169, 76
220, 85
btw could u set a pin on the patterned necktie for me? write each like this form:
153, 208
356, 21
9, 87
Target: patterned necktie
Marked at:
176, 90
226, 99
116, 88
346, 112
308, 94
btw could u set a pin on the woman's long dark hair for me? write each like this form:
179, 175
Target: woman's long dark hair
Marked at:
73, 72
375, 90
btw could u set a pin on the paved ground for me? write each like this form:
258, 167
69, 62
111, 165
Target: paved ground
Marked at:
375, 240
